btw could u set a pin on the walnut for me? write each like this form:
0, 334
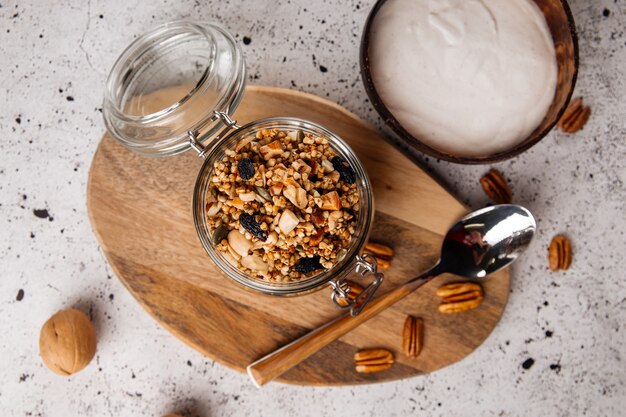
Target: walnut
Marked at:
271, 150
330, 201
67, 342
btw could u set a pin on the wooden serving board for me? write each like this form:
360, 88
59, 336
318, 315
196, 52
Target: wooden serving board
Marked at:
140, 210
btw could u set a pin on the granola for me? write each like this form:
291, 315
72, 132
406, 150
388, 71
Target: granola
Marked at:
283, 205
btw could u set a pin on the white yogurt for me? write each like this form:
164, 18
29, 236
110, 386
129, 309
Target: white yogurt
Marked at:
468, 77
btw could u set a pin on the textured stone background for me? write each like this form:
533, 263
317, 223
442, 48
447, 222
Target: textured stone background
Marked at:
568, 328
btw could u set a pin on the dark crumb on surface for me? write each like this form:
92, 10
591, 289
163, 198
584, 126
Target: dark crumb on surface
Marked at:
20, 295
111, 297
18, 120
323, 68
246, 40
32, 235
101, 16
528, 363
69, 98
188, 363
42, 214
556, 367
549, 333
606, 12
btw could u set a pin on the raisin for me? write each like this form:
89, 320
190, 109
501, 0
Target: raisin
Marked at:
246, 168
251, 225
346, 172
306, 265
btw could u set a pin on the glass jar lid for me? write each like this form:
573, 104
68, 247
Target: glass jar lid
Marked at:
170, 81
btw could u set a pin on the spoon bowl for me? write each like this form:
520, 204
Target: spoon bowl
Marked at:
486, 240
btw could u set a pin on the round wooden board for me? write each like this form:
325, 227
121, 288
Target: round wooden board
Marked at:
140, 210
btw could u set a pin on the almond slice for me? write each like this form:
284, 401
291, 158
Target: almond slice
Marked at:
255, 263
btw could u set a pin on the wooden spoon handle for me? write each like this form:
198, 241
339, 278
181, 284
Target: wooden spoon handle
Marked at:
288, 356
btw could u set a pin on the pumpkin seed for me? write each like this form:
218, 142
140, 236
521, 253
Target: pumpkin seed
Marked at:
263, 193
220, 233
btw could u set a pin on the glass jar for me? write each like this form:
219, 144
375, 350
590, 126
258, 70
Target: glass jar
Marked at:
203, 69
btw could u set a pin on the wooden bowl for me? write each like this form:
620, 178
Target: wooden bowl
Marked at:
561, 24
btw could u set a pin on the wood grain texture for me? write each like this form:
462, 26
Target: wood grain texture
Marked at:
140, 211
280, 361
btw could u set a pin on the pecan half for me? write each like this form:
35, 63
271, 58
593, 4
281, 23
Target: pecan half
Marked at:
373, 360
560, 253
353, 289
412, 336
574, 117
496, 188
382, 253
459, 296
460, 306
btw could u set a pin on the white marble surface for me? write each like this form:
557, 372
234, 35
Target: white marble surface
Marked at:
55, 56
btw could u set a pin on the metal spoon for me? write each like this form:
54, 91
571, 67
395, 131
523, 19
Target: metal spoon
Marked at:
480, 243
